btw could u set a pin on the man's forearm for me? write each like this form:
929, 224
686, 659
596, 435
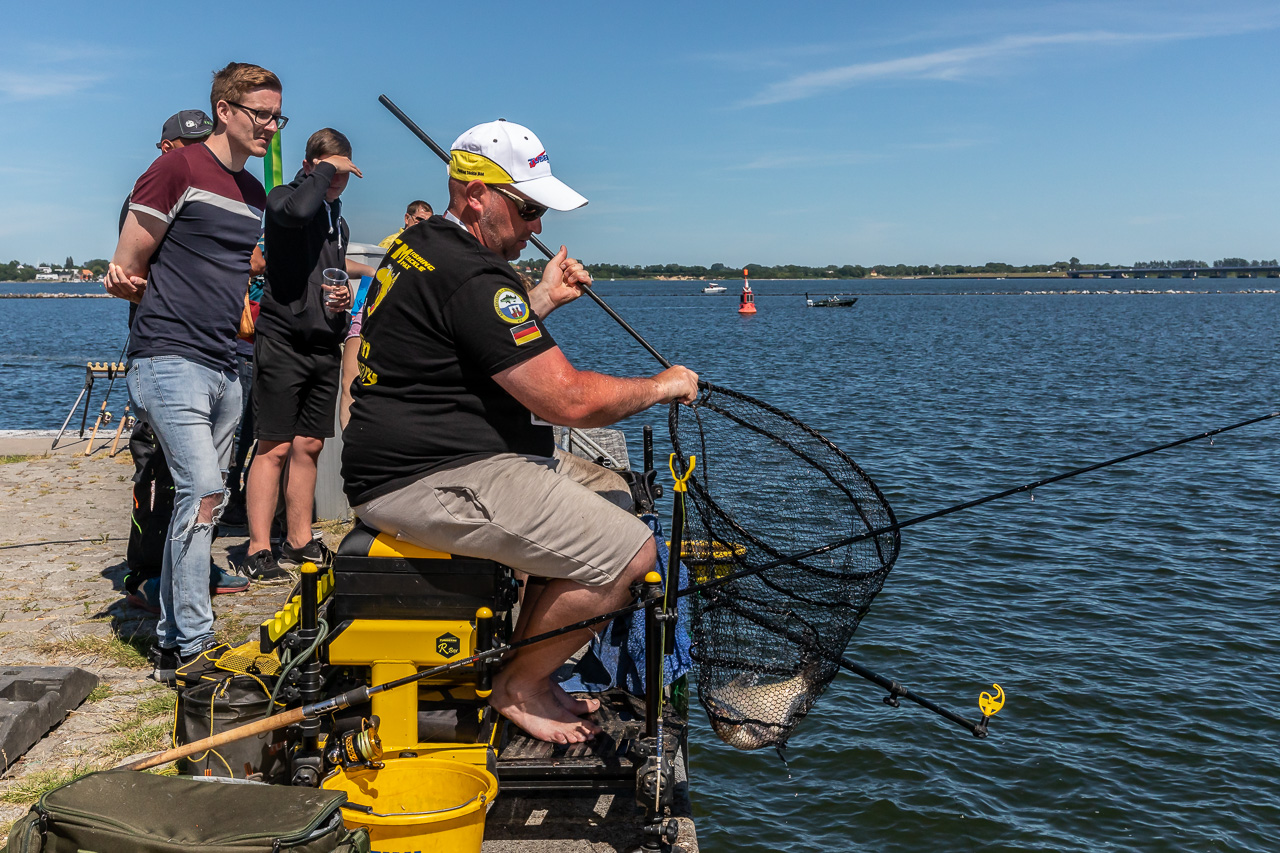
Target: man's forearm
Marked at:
599, 400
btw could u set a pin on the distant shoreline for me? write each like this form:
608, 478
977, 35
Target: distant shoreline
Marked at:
52, 295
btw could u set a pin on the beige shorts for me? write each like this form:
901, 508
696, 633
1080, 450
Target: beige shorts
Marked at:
550, 517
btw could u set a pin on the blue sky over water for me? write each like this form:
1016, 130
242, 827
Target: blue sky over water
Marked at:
806, 132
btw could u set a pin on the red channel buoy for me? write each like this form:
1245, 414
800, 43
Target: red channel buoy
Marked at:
746, 302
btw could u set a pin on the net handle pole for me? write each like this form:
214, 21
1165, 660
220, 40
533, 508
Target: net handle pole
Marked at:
930, 516
533, 238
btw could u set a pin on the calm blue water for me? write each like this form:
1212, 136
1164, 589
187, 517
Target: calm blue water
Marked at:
1129, 614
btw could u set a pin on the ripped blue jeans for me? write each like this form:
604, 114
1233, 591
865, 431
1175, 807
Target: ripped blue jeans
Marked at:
193, 411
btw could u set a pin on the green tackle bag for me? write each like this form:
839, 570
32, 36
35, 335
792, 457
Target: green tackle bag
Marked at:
124, 811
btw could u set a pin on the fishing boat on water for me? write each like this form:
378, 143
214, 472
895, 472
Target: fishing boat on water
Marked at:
834, 300
715, 287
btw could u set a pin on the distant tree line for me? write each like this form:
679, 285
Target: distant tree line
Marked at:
723, 271
19, 271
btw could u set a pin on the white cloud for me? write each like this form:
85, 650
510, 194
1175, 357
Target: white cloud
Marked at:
28, 87
959, 63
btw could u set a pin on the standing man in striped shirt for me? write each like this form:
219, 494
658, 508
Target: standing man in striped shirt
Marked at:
183, 256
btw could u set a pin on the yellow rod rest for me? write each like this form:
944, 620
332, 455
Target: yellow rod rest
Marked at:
681, 482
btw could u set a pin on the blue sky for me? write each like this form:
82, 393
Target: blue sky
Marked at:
800, 132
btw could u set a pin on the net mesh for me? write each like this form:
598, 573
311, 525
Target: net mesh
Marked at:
767, 486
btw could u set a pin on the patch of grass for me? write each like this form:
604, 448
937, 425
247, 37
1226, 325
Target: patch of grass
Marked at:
25, 790
146, 738
120, 652
236, 632
10, 458
97, 694
337, 527
158, 703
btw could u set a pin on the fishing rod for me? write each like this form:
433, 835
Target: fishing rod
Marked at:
533, 238
104, 416
896, 689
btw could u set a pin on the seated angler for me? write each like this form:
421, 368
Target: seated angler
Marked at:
448, 445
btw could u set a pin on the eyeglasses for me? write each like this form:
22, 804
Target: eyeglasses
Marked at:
528, 210
262, 118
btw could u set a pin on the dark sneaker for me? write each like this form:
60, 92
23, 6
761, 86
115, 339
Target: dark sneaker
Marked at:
261, 567
146, 596
165, 663
193, 667
313, 552
222, 582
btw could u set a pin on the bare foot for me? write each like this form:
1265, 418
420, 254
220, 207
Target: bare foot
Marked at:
573, 704
540, 714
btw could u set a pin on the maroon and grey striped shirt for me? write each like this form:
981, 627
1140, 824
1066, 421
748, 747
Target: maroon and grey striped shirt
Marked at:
192, 304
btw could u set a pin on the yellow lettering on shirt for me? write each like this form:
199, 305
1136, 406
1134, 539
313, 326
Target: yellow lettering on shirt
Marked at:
409, 259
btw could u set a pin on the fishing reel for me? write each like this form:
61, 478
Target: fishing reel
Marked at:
356, 750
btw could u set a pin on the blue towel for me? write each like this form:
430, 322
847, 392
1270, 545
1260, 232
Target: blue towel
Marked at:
616, 656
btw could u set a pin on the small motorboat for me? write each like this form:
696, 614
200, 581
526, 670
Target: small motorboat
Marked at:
715, 287
834, 300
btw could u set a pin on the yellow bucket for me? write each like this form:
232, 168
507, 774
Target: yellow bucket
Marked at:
418, 804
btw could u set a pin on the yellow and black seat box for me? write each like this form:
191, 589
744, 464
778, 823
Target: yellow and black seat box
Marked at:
377, 576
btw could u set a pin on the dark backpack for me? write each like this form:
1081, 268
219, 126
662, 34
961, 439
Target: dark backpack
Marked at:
152, 507
124, 811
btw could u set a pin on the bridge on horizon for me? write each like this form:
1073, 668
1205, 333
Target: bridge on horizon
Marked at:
1179, 272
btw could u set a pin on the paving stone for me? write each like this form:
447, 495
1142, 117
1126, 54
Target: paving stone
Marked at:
34, 699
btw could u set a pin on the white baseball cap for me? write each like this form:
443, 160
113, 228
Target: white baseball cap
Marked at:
503, 152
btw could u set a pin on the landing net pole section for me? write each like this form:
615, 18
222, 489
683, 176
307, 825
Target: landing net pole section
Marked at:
444, 155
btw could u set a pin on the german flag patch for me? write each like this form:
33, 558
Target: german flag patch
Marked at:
526, 333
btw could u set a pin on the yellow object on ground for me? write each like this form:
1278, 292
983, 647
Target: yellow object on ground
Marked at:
418, 804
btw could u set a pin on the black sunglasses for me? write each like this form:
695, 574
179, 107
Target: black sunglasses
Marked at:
528, 210
262, 118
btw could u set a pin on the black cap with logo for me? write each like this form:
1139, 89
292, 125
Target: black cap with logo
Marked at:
188, 124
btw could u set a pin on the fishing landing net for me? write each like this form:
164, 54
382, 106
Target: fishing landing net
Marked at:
766, 487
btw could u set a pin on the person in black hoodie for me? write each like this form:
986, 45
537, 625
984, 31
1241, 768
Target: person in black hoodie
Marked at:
297, 353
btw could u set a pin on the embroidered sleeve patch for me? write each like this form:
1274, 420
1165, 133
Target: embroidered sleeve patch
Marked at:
526, 333
510, 306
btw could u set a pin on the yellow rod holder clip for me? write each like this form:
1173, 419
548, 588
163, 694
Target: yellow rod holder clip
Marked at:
681, 481
989, 706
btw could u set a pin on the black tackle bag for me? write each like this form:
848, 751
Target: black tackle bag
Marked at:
225, 702
124, 811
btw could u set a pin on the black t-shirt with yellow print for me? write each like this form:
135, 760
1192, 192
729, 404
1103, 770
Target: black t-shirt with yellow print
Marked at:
443, 316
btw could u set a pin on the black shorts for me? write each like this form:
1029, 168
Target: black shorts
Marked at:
294, 393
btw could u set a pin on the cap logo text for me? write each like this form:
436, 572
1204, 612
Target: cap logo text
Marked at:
541, 158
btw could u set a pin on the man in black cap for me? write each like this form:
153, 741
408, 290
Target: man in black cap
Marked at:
178, 130
152, 484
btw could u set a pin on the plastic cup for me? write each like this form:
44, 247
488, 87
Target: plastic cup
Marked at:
335, 281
